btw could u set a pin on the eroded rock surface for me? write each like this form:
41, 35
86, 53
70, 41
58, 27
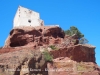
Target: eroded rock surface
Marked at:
22, 53
66, 66
38, 36
22, 62
78, 53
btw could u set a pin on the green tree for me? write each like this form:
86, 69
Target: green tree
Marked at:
74, 30
68, 32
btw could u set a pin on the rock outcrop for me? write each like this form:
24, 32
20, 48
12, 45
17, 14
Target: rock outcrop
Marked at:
22, 53
77, 53
66, 66
22, 62
35, 49
38, 36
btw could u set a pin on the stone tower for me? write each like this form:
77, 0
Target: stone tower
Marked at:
26, 17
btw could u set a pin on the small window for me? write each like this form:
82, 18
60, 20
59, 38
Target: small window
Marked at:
29, 21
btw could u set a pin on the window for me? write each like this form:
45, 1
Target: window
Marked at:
29, 21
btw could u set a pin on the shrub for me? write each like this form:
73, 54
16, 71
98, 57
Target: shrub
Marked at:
47, 56
53, 47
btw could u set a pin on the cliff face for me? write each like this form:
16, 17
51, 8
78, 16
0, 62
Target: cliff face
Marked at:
77, 53
38, 36
66, 66
22, 62
22, 53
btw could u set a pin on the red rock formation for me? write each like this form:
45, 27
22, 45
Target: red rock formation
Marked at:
66, 66
38, 36
78, 53
23, 49
22, 62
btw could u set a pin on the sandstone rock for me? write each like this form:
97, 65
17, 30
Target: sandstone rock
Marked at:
66, 66
78, 53
22, 62
38, 36
22, 53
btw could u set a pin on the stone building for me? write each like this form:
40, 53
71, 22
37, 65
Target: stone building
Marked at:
29, 30
26, 17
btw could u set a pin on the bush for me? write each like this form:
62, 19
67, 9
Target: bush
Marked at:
47, 56
53, 47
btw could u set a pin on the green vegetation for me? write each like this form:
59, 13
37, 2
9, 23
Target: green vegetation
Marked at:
47, 56
83, 40
53, 47
74, 31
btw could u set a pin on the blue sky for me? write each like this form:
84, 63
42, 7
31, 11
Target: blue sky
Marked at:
84, 14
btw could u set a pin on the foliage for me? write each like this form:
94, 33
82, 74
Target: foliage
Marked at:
68, 32
47, 56
83, 40
74, 30
53, 47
